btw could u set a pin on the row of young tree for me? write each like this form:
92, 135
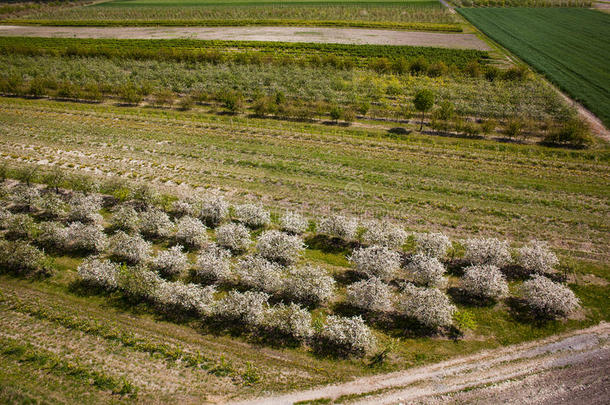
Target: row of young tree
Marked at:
392, 281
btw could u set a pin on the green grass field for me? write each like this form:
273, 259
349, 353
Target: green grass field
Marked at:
568, 46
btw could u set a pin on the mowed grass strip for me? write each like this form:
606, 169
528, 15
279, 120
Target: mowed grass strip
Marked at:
569, 46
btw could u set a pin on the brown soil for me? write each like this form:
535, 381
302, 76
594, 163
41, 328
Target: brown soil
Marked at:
282, 34
554, 370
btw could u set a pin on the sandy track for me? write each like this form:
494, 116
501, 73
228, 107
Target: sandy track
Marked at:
282, 34
535, 362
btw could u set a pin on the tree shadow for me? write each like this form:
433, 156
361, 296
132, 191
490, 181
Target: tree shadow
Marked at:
455, 267
330, 244
522, 313
349, 276
515, 272
406, 327
461, 297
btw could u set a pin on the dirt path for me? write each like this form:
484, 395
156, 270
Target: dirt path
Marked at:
568, 361
282, 34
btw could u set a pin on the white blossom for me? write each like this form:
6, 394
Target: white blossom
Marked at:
280, 247
213, 265
191, 232
52, 235
85, 237
487, 251
485, 282
384, 233
536, 257
371, 295
309, 284
85, 208
348, 335
548, 298
25, 198
126, 219
170, 262
339, 226
294, 223
252, 215
258, 273
22, 258
432, 244
429, 306
181, 208
173, 296
155, 223
248, 307
427, 271
20, 226
99, 273
52, 206
376, 261
235, 237
211, 209
131, 249
5, 215
138, 282
291, 320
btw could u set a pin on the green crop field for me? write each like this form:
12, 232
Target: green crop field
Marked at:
414, 14
568, 46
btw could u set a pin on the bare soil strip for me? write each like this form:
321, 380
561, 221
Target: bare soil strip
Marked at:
279, 34
486, 370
